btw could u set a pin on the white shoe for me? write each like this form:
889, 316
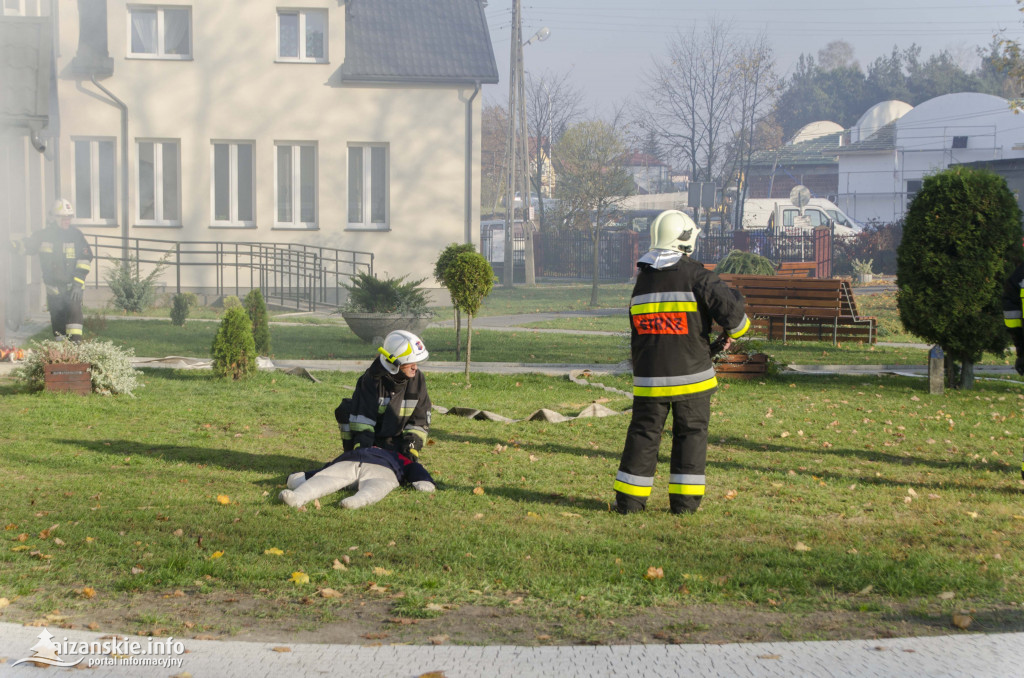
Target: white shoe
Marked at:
288, 497
296, 479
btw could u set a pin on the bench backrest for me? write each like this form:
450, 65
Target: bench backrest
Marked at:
796, 269
799, 297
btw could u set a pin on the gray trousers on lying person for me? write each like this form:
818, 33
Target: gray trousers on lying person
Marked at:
374, 483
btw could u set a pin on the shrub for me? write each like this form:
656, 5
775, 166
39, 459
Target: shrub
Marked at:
234, 351
470, 279
231, 301
180, 306
256, 307
111, 366
131, 292
962, 241
745, 263
368, 294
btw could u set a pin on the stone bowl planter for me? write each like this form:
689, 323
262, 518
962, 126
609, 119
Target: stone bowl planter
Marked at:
373, 327
741, 366
863, 278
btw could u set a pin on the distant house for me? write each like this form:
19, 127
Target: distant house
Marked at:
896, 146
339, 123
649, 174
808, 159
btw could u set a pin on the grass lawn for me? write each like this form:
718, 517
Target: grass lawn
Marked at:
836, 507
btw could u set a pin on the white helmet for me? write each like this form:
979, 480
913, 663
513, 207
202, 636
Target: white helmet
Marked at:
401, 347
674, 230
63, 208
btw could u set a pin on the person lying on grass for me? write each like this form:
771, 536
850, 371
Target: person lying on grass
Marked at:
383, 427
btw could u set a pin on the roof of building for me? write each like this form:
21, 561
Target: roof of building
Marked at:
642, 160
882, 140
441, 41
818, 151
815, 130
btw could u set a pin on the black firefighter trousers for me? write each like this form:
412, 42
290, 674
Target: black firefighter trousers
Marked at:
690, 419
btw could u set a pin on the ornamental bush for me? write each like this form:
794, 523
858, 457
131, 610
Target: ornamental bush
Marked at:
257, 310
961, 239
369, 294
181, 304
745, 263
234, 351
110, 365
131, 291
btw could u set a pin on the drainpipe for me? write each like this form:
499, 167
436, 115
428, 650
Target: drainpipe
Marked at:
469, 163
124, 164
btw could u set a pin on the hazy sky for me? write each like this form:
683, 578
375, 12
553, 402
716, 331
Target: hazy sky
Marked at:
607, 45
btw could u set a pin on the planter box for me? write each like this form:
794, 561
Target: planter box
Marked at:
741, 366
73, 377
373, 327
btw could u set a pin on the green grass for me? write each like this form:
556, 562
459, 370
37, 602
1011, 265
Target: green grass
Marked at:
885, 486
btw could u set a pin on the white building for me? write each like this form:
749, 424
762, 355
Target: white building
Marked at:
324, 123
894, 146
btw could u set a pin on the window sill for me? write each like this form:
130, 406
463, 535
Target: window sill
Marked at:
167, 225
157, 57
234, 227
94, 224
320, 62
289, 227
368, 229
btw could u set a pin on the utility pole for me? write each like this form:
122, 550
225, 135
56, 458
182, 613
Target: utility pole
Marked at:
515, 63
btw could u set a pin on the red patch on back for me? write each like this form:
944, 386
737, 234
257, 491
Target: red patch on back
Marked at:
660, 323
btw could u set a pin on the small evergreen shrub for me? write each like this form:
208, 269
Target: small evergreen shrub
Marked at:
234, 351
110, 365
256, 307
181, 304
131, 292
231, 301
368, 294
745, 263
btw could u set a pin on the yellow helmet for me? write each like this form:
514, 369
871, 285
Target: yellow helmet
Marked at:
674, 230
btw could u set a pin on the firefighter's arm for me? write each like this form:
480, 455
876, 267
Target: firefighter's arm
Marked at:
363, 420
416, 430
29, 245
726, 305
83, 262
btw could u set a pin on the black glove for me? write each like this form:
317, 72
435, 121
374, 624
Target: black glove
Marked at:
76, 292
1019, 366
718, 345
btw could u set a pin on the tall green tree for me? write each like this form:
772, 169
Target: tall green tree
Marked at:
592, 179
441, 269
469, 278
961, 239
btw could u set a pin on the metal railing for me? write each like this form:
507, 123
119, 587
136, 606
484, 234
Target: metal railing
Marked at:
288, 274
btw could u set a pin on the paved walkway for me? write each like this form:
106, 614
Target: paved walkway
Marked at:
975, 655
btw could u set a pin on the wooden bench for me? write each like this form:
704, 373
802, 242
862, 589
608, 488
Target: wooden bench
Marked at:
796, 269
802, 309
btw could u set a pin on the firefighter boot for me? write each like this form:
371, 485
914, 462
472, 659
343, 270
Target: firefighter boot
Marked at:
625, 503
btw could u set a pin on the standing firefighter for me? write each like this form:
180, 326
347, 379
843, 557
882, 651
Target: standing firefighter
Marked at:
674, 301
1013, 312
66, 260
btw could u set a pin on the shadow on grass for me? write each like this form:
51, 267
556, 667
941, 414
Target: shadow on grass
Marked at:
223, 458
491, 441
521, 495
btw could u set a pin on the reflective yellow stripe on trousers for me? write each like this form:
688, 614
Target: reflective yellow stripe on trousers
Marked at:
636, 486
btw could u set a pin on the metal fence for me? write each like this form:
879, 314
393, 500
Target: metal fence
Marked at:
288, 274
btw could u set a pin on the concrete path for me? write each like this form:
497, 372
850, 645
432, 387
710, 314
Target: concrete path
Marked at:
975, 655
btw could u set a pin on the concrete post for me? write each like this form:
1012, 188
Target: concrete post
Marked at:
936, 371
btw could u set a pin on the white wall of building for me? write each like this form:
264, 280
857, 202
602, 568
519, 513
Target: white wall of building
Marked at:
233, 88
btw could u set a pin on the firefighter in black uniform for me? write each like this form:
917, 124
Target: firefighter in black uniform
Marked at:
66, 259
673, 303
383, 426
1013, 305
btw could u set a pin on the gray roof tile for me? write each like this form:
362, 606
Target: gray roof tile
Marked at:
429, 41
820, 151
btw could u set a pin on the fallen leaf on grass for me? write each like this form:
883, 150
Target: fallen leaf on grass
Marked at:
92, 626
87, 592
962, 621
570, 515
21, 548
381, 572
178, 532
281, 648
375, 636
329, 593
376, 588
434, 607
730, 495
439, 640
800, 546
516, 601
223, 499
299, 578
911, 492
58, 541
338, 565
273, 551
478, 490
973, 514
654, 573
403, 621
216, 554
137, 570
947, 595
22, 537
4, 602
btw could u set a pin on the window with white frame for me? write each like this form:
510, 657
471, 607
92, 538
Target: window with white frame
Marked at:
302, 35
95, 181
295, 184
368, 187
159, 186
159, 32
22, 8
232, 186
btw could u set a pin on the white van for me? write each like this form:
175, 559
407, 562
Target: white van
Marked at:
758, 213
